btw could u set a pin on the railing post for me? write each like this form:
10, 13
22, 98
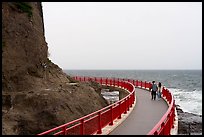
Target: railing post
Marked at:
124, 85
167, 96
172, 117
99, 123
109, 81
126, 106
169, 124
174, 110
136, 83
119, 117
111, 122
64, 130
114, 82
128, 103
163, 128
101, 81
145, 85
82, 127
131, 100
95, 79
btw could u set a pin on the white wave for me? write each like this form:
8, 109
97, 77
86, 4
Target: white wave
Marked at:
189, 101
112, 93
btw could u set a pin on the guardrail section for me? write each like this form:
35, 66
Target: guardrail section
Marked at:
94, 122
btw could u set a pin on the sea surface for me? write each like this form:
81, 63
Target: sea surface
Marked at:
186, 85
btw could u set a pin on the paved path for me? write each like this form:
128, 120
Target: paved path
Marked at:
144, 116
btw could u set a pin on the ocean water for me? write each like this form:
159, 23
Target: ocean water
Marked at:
186, 85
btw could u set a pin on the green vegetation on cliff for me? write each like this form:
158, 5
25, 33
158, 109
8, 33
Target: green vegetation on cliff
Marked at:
25, 7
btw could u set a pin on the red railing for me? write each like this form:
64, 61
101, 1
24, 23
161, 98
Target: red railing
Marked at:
94, 122
164, 126
166, 123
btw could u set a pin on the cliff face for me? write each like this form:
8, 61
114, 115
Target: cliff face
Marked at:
23, 39
37, 94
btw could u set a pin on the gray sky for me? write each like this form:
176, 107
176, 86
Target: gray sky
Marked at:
124, 35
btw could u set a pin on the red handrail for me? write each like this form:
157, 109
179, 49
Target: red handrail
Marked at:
166, 123
94, 122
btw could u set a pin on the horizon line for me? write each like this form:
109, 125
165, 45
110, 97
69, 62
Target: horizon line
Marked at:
131, 69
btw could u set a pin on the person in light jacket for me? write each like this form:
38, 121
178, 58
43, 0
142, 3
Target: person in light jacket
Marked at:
159, 91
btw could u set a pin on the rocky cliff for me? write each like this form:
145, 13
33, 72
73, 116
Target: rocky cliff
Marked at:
36, 94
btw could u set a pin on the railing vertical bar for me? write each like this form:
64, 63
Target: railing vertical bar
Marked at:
111, 122
99, 123
119, 105
82, 127
64, 130
125, 106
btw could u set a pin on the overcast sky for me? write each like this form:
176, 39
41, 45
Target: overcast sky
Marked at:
120, 35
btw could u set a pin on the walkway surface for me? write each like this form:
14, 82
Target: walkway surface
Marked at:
143, 117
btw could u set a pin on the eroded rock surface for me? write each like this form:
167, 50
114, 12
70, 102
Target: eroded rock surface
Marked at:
189, 123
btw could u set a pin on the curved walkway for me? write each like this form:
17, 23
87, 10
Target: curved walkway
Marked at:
143, 117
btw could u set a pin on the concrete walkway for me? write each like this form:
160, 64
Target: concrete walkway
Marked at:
143, 117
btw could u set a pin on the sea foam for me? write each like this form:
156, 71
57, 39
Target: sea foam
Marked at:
189, 101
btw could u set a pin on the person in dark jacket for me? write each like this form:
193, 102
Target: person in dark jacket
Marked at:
154, 89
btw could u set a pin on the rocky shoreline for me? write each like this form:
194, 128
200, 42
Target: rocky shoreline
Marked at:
188, 123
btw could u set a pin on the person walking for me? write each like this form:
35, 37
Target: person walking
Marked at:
154, 89
159, 91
